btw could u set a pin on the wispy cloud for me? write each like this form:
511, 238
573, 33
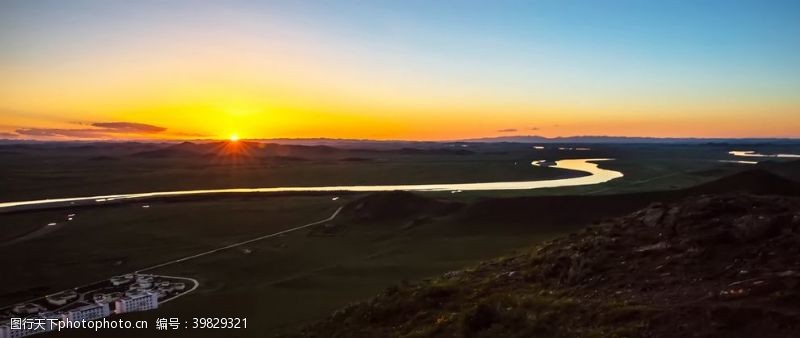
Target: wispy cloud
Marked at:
99, 130
534, 128
509, 130
185, 134
8, 135
54, 132
129, 127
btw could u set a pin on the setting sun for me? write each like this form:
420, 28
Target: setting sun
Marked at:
526, 69
234, 138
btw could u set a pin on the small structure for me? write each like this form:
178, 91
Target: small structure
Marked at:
137, 300
119, 280
100, 298
144, 281
87, 312
62, 298
165, 287
25, 309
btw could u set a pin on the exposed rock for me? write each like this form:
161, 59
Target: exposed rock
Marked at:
653, 247
653, 215
708, 266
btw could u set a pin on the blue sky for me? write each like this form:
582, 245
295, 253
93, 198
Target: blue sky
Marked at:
622, 57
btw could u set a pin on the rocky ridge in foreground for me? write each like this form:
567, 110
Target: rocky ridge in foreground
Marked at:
721, 266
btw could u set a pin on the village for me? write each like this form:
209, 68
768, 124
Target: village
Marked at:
116, 295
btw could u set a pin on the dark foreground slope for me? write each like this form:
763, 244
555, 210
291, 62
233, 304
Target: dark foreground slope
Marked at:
713, 265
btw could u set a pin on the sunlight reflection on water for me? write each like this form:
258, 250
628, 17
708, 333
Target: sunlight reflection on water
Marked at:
750, 153
597, 175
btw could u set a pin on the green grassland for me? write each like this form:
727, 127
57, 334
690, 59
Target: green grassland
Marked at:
49, 171
278, 283
283, 282
41, 174
652, 168
289, 281
102, 242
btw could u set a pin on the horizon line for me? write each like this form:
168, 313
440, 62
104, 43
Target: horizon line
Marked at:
509, 138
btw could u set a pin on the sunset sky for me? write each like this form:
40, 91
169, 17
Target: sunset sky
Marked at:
428, 70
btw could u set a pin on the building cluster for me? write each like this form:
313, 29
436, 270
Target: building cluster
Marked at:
128, 293
48, 321
62, 298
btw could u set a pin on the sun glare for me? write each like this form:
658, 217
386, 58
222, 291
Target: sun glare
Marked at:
234, 138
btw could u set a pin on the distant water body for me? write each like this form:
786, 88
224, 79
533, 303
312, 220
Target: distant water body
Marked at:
750, 153
596, 175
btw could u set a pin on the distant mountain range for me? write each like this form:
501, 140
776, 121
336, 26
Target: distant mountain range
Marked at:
625, 139
351, 143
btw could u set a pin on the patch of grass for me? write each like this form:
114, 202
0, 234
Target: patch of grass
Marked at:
101, 242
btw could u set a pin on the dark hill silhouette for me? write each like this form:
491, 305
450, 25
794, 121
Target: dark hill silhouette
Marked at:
272, 150
572, 210
717, 259
189, 147
707, 266
417, 151
165, 153
756, 181
790, 169
200, 150
551, 213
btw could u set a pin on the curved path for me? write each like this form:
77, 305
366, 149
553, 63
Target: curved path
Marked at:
186, 258
597, 175
183, 259
184, 293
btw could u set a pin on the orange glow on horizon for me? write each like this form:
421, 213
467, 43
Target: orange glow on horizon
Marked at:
266, 76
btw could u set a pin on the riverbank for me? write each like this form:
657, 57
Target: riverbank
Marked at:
595, 175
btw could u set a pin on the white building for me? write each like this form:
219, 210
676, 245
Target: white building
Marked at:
136, 301
87, 312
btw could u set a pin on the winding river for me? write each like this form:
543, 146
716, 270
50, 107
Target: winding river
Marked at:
750, 153
596, 175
